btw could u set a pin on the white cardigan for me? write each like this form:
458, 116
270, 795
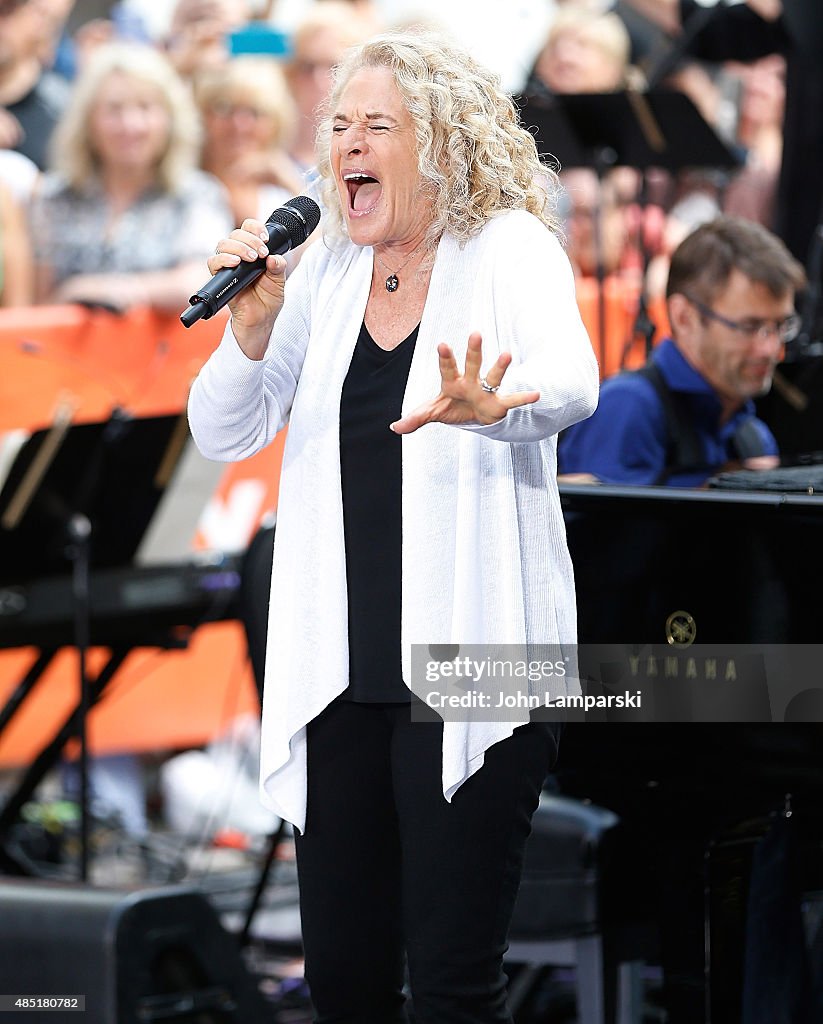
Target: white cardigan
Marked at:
484, 548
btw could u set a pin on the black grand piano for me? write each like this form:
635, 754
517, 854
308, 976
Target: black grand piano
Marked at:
697, 798
736, 562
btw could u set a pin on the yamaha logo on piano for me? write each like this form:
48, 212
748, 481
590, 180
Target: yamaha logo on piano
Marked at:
681, 629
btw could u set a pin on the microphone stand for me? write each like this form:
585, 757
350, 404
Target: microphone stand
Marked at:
603, 159
79, 529
644, 327
79, 553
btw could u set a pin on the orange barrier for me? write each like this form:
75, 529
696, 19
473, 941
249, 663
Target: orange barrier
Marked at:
143, 362
619, 348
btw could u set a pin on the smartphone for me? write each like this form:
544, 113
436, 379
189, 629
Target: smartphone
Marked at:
258, 37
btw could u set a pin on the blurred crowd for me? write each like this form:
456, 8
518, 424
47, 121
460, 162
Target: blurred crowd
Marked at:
120, 121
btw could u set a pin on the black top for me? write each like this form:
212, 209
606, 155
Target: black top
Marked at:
371, 477
38, 113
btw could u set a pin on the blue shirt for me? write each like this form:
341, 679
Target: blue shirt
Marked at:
626, 440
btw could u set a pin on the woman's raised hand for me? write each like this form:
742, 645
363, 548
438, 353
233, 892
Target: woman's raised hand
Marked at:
463, 398
254, 309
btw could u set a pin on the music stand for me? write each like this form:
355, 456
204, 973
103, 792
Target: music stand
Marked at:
661, 128
82, 496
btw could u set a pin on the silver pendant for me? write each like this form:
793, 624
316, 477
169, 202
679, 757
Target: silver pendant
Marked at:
392, 284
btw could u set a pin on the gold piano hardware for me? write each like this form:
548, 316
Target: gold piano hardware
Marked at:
681, 629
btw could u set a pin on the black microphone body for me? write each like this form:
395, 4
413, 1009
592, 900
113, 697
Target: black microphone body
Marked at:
288, 226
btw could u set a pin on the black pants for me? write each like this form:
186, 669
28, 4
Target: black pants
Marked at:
387, 867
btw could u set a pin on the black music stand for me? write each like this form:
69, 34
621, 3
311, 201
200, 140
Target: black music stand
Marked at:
79, 496
661, 128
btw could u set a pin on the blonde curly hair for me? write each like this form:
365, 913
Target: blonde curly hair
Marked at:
474, 157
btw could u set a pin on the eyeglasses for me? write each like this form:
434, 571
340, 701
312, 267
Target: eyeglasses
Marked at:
785, 330
224, 109
309, 68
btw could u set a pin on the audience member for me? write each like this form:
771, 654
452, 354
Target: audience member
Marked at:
743, 104
747, 32
134, 216
686, 215
318, 44
585, 51
753, 190
54, 14
588, 51
33, 96
596, 225
690, 413
249, 119
198, 37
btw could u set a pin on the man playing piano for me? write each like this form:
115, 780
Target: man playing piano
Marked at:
689, 413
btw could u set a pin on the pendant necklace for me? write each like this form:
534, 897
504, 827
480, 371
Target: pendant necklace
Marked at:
392, 281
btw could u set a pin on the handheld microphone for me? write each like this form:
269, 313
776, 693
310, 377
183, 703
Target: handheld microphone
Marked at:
288, 227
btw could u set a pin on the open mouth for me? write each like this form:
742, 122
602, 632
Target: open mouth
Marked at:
364, 191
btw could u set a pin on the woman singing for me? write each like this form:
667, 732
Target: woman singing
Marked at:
425, 354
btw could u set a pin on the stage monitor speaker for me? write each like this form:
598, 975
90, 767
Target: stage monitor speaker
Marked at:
135, 956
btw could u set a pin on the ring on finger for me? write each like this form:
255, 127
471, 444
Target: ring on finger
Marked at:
217, 249
484, 384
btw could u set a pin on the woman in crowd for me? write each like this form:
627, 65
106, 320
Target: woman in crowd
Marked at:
588, 51
428, 351
134, 216
248, 122
584, 51
318, 43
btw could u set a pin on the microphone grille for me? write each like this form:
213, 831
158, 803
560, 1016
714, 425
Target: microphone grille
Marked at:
299, 216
